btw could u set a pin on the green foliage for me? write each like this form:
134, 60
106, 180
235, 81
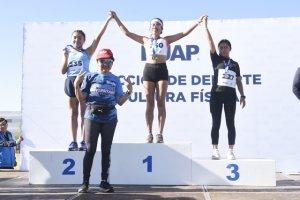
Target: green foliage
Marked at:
16, 137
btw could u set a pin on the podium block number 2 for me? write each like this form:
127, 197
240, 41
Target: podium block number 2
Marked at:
148, 160
67, 170
234, 171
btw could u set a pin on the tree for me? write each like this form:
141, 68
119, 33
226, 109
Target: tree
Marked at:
16, 137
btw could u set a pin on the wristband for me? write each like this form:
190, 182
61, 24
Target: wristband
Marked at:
198, 22
128, 94
244, 97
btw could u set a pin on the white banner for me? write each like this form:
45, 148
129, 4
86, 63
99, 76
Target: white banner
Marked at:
266, 50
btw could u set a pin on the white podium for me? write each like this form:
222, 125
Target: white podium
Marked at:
151, 164
61, 167
251, 172
161, 164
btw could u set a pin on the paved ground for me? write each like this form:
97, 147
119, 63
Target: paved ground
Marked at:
14, 185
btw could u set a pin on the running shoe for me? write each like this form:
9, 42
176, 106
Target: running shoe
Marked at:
159, 138
230, 155
82, 146
149, 138
73, 146
216, 155
106, 187
84, 187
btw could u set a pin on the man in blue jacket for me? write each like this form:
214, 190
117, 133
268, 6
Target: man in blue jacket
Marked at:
7, 151
296, 84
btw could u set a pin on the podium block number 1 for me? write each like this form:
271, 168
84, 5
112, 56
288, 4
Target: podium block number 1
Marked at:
67, 170
234, 171
148, 160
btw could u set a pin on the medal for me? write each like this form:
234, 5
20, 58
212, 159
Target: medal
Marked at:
154, 47
226, 66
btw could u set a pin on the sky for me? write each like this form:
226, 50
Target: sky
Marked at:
14, 13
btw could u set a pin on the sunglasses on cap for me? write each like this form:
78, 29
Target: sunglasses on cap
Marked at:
107, 61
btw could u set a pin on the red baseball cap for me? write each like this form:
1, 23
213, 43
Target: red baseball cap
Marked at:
104, 53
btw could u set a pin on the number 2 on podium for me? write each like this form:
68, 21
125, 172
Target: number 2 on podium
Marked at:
67, 170
148, 160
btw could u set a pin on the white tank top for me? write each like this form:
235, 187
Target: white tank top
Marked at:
161, 47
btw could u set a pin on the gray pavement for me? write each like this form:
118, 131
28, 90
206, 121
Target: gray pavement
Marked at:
14, 185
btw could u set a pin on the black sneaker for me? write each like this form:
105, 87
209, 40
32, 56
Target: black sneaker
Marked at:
84, 187
106, 187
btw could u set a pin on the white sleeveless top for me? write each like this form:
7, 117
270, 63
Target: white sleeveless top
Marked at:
161, 47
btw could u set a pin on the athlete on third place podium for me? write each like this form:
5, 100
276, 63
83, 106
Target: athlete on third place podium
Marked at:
74, 59
155, 75
227, 76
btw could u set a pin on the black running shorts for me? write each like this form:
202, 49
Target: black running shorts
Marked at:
155, 72
69, 86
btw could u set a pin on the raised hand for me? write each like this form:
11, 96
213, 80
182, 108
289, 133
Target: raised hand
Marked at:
204, 20
79, 78
114, 14
66, 52
202, 17
127, 83
110, 16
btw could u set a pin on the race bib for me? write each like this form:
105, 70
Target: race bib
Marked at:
75, 66
227, 79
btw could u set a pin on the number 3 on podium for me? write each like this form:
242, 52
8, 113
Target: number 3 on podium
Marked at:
233, 171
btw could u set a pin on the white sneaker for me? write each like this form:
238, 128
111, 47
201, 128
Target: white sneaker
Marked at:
216, 155
230, 155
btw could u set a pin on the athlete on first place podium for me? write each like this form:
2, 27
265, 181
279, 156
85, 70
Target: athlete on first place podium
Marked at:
155, 74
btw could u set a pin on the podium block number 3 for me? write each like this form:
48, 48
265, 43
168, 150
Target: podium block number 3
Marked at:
148, 160
234, 171
67, 170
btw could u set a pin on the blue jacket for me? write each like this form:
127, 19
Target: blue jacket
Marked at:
7, 151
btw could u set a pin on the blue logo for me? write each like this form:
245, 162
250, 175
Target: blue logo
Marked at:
177, 52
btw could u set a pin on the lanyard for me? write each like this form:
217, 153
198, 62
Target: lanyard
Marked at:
226, 66
70, 47
154, 45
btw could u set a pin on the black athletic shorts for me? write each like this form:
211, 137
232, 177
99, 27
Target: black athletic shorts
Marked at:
155, 72
69, 86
